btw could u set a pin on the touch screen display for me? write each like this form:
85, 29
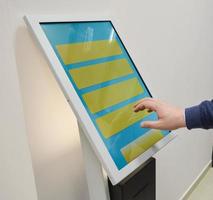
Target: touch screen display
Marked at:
108, 84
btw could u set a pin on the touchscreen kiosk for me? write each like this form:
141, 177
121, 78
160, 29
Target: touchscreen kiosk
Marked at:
102, 84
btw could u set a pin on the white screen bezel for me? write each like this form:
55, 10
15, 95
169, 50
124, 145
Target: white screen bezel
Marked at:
115, 175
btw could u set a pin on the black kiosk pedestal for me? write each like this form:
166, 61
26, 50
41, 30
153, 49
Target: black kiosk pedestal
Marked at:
140, 185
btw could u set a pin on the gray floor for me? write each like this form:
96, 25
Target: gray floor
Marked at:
204, 190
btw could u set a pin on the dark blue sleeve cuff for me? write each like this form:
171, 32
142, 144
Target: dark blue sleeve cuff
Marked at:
193, 117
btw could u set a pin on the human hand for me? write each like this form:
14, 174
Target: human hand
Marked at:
169, 117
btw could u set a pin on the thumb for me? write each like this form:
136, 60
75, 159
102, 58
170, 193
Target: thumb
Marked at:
150, 124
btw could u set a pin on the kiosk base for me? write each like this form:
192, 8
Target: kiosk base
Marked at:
140, 185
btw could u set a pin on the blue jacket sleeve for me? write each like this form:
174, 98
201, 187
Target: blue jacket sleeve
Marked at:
200, 116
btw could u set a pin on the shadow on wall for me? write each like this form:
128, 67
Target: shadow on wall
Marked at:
51, 126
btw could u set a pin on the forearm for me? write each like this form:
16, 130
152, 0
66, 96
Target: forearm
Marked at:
200, 116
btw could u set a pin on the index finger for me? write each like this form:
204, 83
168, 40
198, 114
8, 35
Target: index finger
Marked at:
150, 105
143, 100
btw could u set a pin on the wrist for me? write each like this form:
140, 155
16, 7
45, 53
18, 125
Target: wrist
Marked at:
181, 118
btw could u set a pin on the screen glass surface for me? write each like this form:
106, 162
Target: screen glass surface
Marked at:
108, 84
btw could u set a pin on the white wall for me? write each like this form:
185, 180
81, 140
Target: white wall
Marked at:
50, 123
16, 174
171, 40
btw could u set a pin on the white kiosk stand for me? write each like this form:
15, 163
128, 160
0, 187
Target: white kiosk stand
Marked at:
136, 183
141, 185
96, 177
